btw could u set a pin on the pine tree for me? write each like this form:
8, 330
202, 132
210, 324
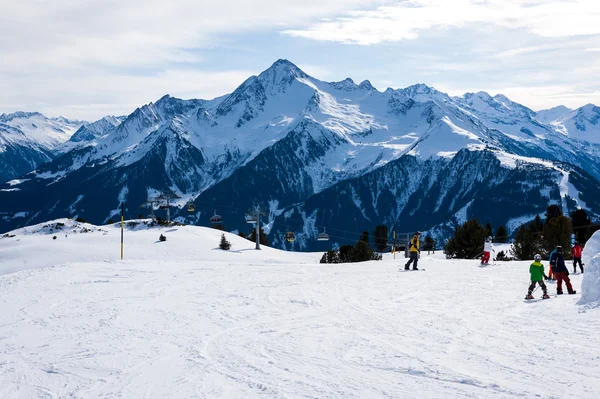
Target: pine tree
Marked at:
523, 247
501, 235
581, 223
224, 244
428, 243
380, 238
362, 252
488, 230
558, 232
242, 234
467, 241
345, 253
553, 211
537, 224
365, 236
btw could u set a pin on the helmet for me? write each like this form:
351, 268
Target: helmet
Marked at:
489, 238
417, 233
537, 257
559, 248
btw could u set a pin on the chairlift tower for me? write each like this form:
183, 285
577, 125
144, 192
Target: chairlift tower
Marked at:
253, 216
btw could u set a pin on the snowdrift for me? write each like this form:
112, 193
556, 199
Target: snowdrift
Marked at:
590, 286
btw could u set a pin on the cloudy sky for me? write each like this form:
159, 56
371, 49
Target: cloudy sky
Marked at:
85, 59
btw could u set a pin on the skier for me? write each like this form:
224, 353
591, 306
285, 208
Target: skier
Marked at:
487, 249
414, 249
576, 254
560, 271
550, 275
537, 273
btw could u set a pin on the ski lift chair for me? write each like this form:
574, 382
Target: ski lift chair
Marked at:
191, 207
250, 219
215, 219
323, 237
290, 236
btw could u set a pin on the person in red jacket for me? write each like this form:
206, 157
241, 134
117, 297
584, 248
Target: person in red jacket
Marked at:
561, 272
576, 254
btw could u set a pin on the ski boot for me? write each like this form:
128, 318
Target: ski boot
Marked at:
545, 296
414, 268
572, 292
559, 292
529, 296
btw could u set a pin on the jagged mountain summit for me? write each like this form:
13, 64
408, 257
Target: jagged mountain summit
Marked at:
316, 153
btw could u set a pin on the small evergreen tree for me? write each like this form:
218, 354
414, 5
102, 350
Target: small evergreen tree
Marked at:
345, 253
242, 234
380, 237
224, 244
467, 241
501, 235
501, 257
523, 247
362, 252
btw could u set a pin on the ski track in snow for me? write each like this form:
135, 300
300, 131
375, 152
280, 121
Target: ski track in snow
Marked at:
272, 324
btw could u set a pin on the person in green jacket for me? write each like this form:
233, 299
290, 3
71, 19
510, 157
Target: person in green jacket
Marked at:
537, 277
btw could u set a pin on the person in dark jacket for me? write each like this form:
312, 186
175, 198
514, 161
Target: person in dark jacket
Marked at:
557, 261
576, 254
414, 249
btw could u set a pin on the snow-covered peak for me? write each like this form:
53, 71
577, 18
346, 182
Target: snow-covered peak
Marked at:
280, 75
582, 123
33, 128
344, 85
366, 85
552, 114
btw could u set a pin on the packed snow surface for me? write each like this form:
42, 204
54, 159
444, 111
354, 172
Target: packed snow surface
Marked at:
183, 319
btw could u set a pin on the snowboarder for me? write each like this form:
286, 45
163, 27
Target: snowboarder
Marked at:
560, 271
414, 249
536, 270
576, 254
487, 249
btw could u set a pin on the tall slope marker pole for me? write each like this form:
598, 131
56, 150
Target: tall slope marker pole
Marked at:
122, 226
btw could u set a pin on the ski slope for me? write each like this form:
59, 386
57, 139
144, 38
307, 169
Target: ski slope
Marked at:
183, 319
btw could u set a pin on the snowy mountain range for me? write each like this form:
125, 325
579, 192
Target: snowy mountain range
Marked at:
335, 155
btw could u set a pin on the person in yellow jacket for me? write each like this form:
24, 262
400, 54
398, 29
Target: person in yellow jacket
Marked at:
414, 249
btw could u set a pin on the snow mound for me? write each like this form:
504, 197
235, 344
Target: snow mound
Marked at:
590, 286
64, 225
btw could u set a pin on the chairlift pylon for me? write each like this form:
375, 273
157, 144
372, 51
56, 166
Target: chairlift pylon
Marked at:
250, 219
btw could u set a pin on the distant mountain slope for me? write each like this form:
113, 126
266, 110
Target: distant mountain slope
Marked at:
336, 153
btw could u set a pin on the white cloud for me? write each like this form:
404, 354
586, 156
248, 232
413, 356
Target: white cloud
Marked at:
405, 20
75, 55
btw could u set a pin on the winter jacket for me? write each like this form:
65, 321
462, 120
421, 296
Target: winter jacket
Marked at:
576, 251
488, 247
557, 262
537, 271
414, 244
